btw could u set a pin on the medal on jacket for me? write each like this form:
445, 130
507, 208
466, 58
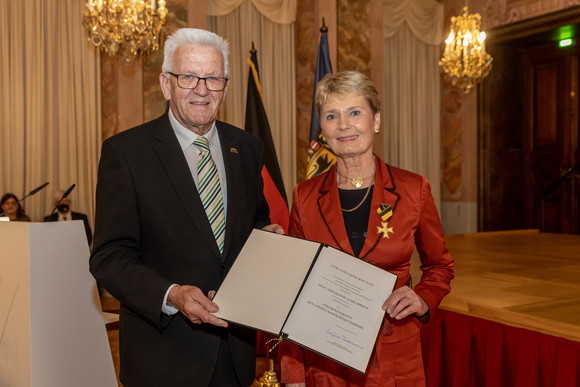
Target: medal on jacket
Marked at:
385, 212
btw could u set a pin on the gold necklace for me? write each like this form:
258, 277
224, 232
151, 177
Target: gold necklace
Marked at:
363, 199
366, 194
356, 181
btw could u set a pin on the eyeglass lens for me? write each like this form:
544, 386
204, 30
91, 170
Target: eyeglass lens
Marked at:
188, 81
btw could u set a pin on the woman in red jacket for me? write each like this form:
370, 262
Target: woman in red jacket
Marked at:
378, 213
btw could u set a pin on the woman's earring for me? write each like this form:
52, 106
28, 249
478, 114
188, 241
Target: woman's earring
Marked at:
377, 131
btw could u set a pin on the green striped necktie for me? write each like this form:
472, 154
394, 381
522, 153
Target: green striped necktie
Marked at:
210, 192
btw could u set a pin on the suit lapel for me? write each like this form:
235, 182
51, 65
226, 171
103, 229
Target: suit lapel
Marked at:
385, 191
171, 157
234, 173
331, 213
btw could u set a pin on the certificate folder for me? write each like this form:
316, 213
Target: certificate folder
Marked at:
312, 294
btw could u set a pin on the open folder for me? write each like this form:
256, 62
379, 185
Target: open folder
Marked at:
312, 294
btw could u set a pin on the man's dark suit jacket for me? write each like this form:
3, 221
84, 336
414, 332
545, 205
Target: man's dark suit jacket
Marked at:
152, 231
74, 216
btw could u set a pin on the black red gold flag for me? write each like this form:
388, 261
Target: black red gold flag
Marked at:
257, 124
320, 157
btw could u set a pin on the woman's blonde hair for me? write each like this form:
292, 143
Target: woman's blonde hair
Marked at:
344, 83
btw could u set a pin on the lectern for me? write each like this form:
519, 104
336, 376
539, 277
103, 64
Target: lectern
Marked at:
52, 331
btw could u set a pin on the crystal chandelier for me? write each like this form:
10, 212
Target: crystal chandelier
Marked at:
126, 29
465, 62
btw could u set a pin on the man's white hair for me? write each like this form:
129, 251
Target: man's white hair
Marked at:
58, 195
194, 36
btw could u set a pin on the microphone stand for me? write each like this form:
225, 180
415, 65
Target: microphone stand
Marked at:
26, 196
64, 195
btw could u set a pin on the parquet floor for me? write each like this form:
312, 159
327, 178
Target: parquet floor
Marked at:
109, 304
521, 278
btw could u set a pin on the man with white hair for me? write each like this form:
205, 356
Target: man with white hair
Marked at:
177, 197
64, 213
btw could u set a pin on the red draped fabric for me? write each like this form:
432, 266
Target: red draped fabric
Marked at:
464, 351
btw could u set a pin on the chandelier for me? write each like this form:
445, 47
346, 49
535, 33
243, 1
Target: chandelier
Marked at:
465, 62
126, 29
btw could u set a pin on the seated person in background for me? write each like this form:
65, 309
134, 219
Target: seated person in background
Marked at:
64, 213
12, 208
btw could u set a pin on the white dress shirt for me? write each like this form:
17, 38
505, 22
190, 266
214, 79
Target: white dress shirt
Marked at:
186, 138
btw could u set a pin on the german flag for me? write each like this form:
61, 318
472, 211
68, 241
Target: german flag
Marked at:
257, 124
320, 157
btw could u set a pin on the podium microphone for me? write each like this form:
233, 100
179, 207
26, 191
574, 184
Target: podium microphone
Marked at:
34, 191
64, 195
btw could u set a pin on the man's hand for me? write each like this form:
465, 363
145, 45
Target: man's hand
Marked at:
274, 228
191, 301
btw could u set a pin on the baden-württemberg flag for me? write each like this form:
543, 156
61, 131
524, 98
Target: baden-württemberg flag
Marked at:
320, 157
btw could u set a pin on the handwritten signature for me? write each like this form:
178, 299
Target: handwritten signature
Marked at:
343, 338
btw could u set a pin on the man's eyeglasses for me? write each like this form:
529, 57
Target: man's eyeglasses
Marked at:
188, 81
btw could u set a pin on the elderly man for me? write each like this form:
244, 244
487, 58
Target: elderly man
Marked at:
65, 213
177, 197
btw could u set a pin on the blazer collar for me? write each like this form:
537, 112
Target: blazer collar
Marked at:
384, 191
231, 153
330, 212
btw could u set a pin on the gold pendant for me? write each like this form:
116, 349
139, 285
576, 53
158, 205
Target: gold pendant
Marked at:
357, 182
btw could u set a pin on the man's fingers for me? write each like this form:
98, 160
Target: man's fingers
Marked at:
217, 321
207, 304
198, 315
191, 301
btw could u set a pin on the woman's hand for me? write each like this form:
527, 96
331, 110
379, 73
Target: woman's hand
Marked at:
404, 302
274, 227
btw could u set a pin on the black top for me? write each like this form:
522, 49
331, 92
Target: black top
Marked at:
356, 222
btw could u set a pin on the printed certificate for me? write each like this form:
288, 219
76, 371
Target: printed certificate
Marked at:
314, 295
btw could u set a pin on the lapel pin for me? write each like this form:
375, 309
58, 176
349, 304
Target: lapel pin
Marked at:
385, 211
233, 150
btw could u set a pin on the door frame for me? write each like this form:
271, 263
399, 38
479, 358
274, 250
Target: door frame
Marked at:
534, 31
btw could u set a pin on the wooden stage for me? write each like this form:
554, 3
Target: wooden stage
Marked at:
521, 278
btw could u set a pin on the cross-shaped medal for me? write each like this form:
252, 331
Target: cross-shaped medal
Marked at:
385, 230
